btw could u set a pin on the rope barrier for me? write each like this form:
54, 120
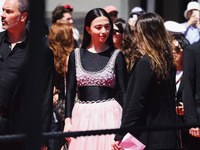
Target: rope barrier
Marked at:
60, 134
13, 137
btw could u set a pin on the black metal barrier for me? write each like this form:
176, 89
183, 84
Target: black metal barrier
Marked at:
54, 135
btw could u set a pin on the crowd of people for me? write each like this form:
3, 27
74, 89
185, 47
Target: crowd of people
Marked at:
124, 74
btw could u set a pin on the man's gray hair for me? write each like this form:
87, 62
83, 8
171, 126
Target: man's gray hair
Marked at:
23, 6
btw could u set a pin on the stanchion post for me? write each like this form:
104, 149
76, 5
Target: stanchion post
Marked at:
34, 139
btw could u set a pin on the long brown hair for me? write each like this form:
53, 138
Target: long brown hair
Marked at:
61, 42
154, 40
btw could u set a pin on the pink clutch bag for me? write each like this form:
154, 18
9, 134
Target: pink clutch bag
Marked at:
129, 142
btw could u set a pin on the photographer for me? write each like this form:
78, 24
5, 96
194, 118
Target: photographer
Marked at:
192, 25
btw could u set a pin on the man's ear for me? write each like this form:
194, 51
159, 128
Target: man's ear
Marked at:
87, 29
24, 17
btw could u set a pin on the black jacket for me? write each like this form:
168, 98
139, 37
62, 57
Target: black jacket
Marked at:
191, 71
150, 104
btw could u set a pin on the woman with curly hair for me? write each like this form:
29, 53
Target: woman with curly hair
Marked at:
61, 42
151, 89
124, 40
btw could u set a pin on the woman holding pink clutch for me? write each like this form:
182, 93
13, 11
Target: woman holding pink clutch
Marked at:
151, 89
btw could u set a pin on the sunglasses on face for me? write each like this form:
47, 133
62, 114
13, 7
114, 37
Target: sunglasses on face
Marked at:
113, 14
177, 49
115, 31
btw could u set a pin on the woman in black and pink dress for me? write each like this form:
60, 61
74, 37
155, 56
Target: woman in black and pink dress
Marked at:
98, 69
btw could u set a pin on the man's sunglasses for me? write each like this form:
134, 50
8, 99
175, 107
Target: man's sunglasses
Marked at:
177, 49
114, 14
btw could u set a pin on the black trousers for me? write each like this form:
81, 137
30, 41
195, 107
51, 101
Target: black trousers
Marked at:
4, 129
193, 143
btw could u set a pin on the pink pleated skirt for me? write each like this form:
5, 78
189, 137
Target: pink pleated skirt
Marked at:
95, 116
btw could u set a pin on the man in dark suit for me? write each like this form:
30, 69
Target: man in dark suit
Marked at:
191, 99
179, 44
17, 75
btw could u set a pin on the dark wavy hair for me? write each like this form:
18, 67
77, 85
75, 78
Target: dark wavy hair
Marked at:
154, 40
183, 42
58, 13
91, 15
128, 45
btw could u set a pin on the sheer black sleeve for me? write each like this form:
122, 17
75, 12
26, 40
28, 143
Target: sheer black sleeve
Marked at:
121, 78
71, 85
138, 87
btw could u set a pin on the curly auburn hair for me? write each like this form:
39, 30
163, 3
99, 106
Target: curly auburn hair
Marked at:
61, 42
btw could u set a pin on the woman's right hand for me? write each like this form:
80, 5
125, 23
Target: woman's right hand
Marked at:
192, 21
116, 146
55, 98
67, 128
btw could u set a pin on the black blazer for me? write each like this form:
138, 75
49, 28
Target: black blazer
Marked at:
191, 70
150, 103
